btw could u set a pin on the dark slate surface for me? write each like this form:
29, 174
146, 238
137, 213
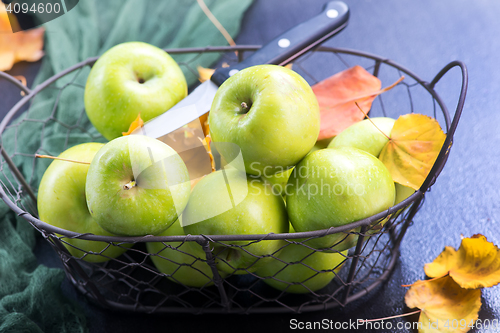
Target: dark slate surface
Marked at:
423, 36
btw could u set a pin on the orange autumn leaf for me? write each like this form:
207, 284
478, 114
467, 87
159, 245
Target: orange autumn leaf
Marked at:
204, 124
414, 145
19, 46
442, 301
190, 142
476, 264
335, 98
137, 123
206, 143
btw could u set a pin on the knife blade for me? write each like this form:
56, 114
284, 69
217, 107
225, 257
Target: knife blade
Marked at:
280, 51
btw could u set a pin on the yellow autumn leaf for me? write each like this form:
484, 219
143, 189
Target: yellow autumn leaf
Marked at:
19, 46
204, 74
476, 264
137, 123
446, 307
415, 143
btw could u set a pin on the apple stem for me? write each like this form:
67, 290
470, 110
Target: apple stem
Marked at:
59, 158
391, 317
130, 185
245, 106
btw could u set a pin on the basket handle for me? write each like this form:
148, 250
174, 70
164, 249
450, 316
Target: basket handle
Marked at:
445, 149
4, 154
15, 82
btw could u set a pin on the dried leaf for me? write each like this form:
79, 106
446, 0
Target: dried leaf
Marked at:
8, 21
414, 146
204, 74
137, 123
19, 46
446, 307
206, 143
335, 98
23, 82
190, 142
476, 264
204, 124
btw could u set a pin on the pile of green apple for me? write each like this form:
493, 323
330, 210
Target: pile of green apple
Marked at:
137, 185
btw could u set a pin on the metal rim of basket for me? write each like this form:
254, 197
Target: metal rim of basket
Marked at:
415, 198
438, 165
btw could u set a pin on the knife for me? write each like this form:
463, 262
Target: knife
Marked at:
280, 51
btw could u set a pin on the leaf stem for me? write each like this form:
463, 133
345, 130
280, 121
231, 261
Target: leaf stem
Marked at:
216, 22
391, 317
371, 121
59, 158
372, 94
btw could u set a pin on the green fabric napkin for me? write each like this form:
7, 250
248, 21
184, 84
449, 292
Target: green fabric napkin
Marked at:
30, 295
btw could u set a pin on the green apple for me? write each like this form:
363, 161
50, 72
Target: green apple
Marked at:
182, 262
402, 192
336, 186
271, 113
227, 203
278, 181
136, 186
370, 135
300, 270
366, 135
62, 203
128, 79
321, 144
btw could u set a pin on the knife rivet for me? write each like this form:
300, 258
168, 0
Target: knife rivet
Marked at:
283, 42
332, 13
233, 71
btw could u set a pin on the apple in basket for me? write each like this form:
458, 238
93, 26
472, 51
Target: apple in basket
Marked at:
300, 269
271, 113
370, 135
136, 186
336, 186
226, 202
62, 203
183, 262
128, 79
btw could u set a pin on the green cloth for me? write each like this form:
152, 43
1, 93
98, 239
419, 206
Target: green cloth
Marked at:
31, 299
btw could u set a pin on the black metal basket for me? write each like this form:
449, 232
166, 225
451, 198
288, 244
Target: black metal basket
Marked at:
131, 282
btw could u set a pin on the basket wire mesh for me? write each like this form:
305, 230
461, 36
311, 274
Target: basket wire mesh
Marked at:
131, 282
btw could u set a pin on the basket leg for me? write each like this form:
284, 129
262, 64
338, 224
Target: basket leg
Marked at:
218, 281
411, 214
354, 263
71, 264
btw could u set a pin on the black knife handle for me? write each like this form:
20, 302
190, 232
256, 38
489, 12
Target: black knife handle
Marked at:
294, 42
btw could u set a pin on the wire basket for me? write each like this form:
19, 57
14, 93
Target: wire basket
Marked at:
131, 282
